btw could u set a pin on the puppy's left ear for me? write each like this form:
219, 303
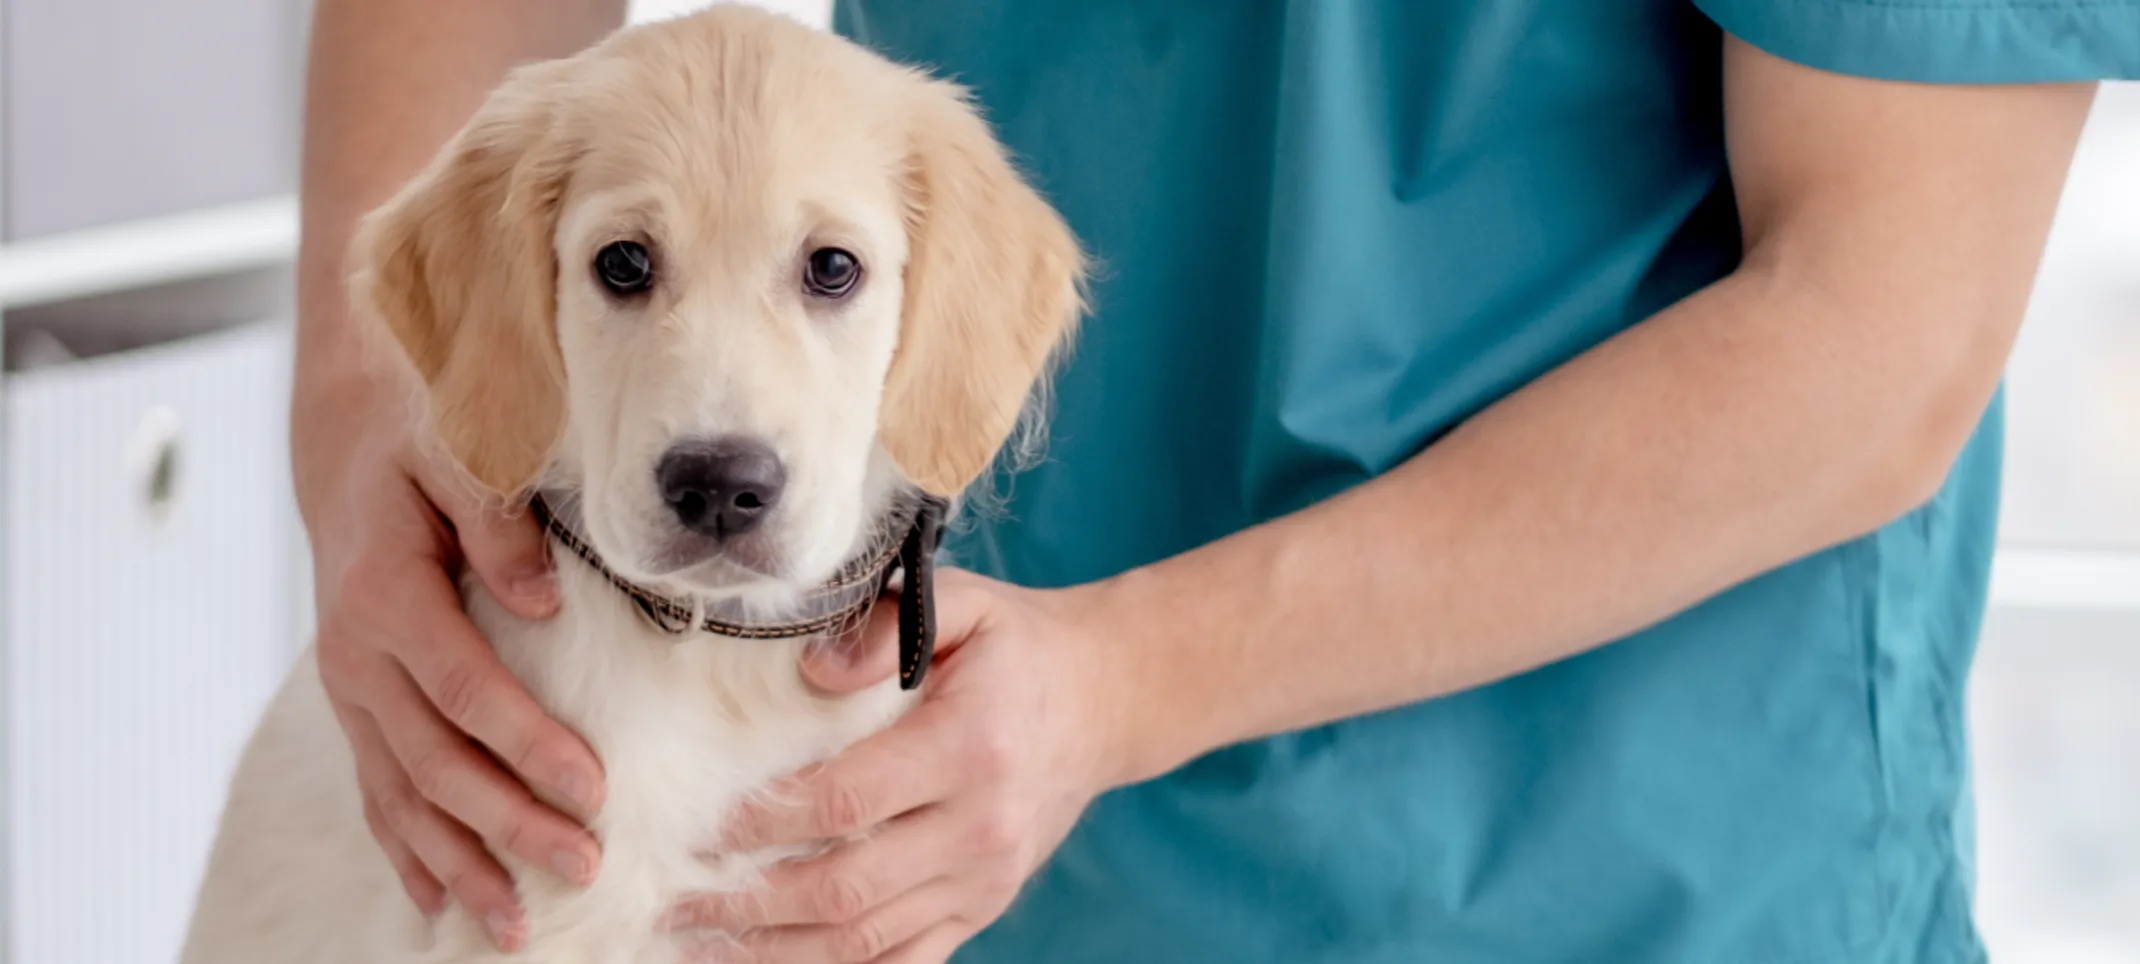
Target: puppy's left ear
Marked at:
994, 286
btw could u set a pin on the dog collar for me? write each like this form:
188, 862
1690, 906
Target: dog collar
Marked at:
840, 604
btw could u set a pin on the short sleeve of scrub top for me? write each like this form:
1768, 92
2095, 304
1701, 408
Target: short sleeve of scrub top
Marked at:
1329, 231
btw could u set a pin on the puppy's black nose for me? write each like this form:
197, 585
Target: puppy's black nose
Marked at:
721, 487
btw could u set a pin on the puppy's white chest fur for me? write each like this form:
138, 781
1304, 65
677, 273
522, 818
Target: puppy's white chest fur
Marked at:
686, 728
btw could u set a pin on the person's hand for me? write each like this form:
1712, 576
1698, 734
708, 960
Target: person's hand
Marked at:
958, 803
447, 742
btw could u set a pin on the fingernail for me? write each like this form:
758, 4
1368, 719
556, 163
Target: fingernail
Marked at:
572, 865
537, 586
577, 789
504, 928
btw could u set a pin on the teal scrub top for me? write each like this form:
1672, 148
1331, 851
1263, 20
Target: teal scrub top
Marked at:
1330, 230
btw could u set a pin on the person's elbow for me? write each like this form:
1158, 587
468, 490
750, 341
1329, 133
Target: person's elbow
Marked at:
1924, 415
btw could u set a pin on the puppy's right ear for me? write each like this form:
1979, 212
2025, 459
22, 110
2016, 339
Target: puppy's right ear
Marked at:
460, 268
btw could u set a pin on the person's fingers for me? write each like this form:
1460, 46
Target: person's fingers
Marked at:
838, 887
447, 850
504, 547
470, 787
888, 774
464, 679
398, 600
339, 668
864, 939
423, 888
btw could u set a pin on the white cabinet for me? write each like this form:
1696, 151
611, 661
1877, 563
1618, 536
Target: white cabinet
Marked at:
150, 572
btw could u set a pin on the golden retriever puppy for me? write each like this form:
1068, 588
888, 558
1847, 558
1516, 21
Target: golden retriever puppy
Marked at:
733, 299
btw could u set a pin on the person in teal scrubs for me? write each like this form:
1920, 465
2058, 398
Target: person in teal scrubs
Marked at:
1525, 492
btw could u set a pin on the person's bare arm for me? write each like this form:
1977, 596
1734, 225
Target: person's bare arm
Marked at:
1820, 391
427, 706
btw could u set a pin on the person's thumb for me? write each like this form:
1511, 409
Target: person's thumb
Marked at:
860, 659
507, 551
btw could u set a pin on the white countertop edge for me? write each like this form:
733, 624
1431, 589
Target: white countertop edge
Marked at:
150, 251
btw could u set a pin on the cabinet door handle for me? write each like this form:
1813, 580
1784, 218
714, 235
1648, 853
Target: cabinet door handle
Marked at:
154, 463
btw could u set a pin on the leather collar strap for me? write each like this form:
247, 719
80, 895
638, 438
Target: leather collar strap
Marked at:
846, 597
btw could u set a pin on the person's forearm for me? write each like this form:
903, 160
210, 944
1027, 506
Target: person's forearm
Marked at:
388, 82
1819, 392
1749, 425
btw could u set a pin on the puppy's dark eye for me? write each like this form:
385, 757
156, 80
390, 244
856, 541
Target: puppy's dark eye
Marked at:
831, 273
624, 267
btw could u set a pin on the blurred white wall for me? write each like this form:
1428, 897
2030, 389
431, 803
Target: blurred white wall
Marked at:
816, 13
2073, 466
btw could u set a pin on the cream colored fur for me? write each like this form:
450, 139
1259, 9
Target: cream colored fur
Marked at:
731, 143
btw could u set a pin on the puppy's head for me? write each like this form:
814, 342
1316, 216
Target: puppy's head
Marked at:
742, 284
